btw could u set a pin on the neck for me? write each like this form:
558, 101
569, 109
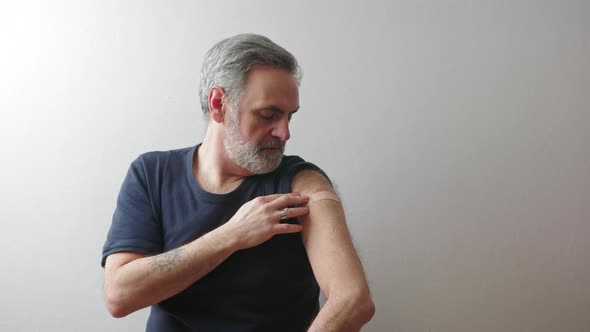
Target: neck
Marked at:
213, 168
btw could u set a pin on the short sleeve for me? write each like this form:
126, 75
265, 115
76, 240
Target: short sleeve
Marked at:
293, 165
135, 226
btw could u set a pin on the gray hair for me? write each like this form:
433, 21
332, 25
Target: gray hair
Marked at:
227, 63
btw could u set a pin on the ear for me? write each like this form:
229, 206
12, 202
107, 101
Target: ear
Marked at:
216, 104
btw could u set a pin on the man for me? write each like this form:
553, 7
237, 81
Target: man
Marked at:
230, 235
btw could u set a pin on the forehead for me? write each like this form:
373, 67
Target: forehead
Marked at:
270, 86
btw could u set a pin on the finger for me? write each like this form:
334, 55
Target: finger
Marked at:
287, 228
270, 198
288, 200
294, 212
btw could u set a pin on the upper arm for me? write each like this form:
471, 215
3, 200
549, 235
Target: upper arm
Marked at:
327, 240
115, 261
135, 227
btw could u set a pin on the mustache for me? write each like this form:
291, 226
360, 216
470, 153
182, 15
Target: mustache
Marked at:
272, 144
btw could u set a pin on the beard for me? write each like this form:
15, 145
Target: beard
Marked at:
260, 158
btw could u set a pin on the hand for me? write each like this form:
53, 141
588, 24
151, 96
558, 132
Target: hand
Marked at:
259, 219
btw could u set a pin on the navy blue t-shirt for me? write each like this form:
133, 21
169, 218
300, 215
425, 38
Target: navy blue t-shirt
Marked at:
270, 287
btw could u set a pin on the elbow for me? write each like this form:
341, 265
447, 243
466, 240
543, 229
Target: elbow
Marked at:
359, 305
117, 311
370, 310
363, 309
366, 308
115, 303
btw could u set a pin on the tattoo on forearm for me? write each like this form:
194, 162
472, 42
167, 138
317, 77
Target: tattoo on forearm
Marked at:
166, 261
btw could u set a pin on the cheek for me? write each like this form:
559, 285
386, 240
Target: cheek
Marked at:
255, 130
259, 133
251, 136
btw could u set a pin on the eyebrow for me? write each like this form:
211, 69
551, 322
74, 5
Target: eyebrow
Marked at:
274, 108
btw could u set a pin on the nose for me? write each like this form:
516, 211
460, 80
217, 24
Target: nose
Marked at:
281, 130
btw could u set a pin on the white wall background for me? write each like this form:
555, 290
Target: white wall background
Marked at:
458, 133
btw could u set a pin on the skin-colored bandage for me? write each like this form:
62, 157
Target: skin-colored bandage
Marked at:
318, 196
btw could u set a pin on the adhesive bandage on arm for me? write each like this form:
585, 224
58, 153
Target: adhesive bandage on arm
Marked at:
320, 195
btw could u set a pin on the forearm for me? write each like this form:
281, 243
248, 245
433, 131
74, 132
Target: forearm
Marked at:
344, 314
133, 281
149, 280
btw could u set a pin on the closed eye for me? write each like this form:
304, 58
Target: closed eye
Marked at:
273, 113
268, 117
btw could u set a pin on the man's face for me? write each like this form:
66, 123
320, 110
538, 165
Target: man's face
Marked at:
257, 131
